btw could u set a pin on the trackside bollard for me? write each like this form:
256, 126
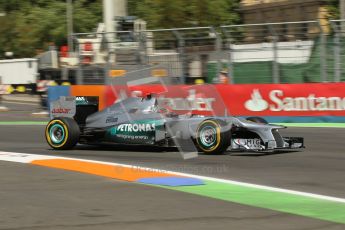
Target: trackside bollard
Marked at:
2, 91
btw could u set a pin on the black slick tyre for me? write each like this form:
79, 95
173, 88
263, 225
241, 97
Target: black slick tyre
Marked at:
211, 138
62, 133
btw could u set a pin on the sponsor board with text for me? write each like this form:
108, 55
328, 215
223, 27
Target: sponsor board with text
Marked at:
316, 99
313, 99
181, 99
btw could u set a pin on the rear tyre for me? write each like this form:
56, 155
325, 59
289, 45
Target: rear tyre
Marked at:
259, 120
62, 133
211, 137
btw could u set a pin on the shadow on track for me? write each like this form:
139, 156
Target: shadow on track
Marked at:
261, 154
165, 150
126, 148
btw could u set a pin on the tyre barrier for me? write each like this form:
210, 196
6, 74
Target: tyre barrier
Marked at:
18, 89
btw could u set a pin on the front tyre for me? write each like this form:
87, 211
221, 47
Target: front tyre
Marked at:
62, 133
211, 138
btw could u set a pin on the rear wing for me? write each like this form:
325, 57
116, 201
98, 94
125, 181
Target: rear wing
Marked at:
78, 108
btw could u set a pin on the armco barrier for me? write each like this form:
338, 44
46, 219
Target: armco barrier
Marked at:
313, 102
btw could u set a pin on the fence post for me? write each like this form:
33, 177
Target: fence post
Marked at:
337, 52
276, 75
107, 68
230, 59
323, 55
79, 80
0, 92
79, 75
218, 48
231, 66
275, 63
143, 54
181, 51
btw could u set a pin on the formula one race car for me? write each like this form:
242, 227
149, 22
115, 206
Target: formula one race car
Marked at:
142, 121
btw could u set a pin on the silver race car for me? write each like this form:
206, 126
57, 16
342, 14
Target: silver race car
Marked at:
143, 121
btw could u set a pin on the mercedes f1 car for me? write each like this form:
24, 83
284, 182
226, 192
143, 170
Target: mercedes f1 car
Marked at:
141, 121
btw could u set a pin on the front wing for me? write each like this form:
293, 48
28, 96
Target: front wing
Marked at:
256, 144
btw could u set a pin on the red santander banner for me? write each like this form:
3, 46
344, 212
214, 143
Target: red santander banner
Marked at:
182, 99
312, 99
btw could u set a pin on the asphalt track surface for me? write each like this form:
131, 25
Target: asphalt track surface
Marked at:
34, 197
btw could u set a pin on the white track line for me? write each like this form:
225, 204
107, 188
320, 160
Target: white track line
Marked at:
28, 158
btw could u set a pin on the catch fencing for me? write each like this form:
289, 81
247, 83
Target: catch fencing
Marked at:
289, 52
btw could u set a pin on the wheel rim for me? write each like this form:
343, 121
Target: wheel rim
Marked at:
57, 133
208, 136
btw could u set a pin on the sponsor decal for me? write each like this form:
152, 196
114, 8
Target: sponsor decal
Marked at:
314, 99
192, 102
279, 102
136, 127
248, 143
111, 120
81, 101
138, 133
64, 106
113, 131
130, 137
256, 103
60, 110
